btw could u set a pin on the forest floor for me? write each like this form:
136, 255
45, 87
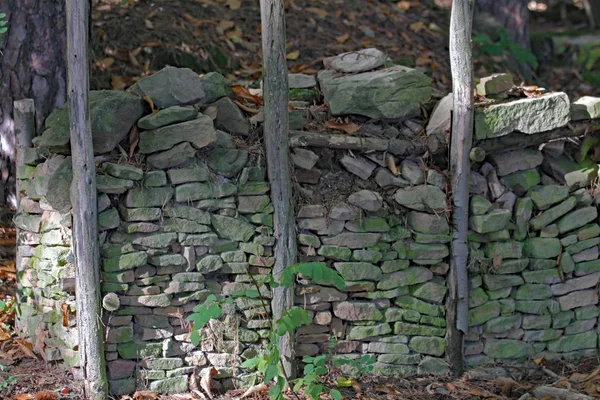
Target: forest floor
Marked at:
132, 39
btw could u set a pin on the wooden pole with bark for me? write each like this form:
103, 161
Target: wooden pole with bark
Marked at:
85, 211
276, 136
461, 62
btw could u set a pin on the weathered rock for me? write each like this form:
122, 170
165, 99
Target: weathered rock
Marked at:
586, 107
232, 228
304, 158
479, 205
410, 276
428, 223
578, 299
530, 115
434, 346
356, 61
178, 155
112, 114
227, 162
400, 92
506, 348
230, 118
366, 199
440, 118
494, 84
168, 116
412, 171
359, 166
516, 160
199, 132
552, 214
574, 175
301, 81
148, 197
521, 181
355, 271
422, 198
493, 221
585, 340
357, 311
542, 247
545, 196
171, 87
577, 219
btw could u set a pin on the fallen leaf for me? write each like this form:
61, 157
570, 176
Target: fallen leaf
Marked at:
417, 26
121, 82
225, 25
403, 5
242, 93
348, 127
26, 348
320, 12
107, 62
134, 139
23, 396
246, 108
391, 164
65, 314
234, 4
148, 100
422, 60
145, 395
40, 337
342, 38
385, 389
192, 20
148, 24
293, 55
46, 395
343, 382
356, 386
133, 57
206, 380
538, 360
261, 387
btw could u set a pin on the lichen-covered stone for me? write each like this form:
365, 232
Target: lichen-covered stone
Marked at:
227, 162
407, 277
484, 313
577, 219
358, 271
552, 214
506, 348
357, 311
585, 340
421, 198
493, 221
428, 345
363, 332
542, 247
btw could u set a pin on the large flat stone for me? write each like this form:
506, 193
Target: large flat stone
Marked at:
199, 132
530, 115
392, 93
516, 160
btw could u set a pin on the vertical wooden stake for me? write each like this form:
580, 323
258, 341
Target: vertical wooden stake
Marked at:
276, 133
461, 61
83, 199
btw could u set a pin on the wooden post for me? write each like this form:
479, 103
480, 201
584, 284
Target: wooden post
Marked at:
461, 61
276, 134
85, 211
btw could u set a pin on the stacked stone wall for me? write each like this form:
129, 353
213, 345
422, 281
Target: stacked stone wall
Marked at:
534, 264
390, 244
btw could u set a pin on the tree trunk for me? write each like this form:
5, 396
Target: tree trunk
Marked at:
32, 65
85, 212
592, 9
461, 61
511, 14
276, 132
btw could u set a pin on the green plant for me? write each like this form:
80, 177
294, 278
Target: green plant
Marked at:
505, 45
6, 381
3, 27
269, 362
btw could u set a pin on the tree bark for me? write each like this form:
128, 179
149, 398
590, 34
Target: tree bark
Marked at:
592, 9
32, 65
85, 212
511, 14
276, 132
461, 61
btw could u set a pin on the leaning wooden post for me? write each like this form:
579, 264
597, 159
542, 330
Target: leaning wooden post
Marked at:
276, 133
461, 62
85, 211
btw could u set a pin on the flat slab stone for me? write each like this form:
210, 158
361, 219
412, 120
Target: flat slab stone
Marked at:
587, 107
167, 116
301, 81
356, 61
422, 198
530, 115
391, 93
516, 160
199, 132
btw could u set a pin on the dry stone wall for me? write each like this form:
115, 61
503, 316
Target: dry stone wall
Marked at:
185, 212
390, 245
534, 264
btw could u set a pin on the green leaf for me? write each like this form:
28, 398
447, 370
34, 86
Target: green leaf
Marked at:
335, 394
3, 30
2, 15
195, 338
251, 363
3, 22
272, 372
